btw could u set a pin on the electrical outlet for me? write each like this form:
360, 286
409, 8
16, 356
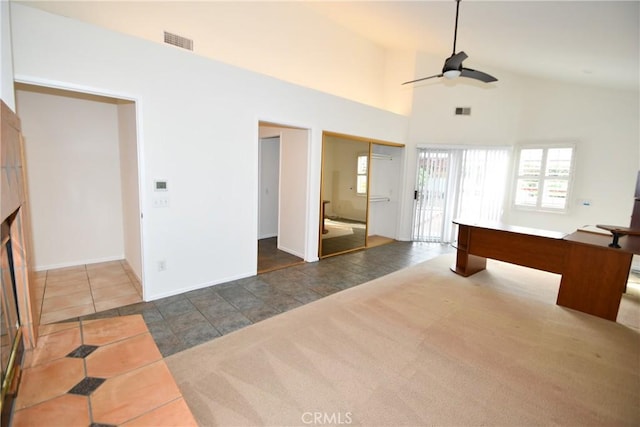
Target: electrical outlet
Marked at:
162, 265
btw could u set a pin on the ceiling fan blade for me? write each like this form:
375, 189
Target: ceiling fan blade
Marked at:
478, 75
424, 78
454, 62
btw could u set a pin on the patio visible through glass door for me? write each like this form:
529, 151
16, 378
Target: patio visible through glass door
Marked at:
457, 183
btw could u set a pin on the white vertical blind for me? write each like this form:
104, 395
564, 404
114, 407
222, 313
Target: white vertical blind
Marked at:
455, 183
433, 179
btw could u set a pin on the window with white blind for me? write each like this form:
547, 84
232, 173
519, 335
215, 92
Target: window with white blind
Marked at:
543, 177
458, 183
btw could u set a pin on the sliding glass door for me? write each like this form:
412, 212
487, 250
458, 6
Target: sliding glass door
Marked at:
456, 183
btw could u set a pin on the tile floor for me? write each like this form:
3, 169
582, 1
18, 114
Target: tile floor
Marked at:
80, 290
186, 320
164, 327
124, 381
103, 372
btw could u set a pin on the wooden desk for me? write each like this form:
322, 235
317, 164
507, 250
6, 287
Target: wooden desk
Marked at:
594, 275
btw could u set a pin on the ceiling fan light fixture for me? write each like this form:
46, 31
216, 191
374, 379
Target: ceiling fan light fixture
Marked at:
453, 65
451, 74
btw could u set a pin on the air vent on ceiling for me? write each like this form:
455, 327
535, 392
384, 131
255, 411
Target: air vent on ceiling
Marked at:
463, 111
177, 40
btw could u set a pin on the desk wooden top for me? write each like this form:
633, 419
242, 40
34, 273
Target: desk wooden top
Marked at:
622, 231
627, 243
498, 226
630, 243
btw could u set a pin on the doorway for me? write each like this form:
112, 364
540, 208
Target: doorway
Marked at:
82, 171
282, 196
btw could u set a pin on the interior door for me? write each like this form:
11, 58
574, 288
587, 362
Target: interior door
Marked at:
269, 195
294, 175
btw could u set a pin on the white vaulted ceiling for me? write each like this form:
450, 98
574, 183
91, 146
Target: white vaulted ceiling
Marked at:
586, 42
594, 42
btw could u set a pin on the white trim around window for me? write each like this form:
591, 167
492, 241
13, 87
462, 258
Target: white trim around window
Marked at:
543, 177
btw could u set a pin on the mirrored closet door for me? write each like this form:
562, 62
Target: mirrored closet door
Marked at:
347, 189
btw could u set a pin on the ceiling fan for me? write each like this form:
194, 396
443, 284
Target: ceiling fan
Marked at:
453, 64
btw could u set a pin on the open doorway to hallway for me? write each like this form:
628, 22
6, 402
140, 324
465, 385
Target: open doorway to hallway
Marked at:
282, 195
81, 155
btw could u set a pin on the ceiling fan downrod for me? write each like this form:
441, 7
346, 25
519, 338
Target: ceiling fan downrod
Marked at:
455, 31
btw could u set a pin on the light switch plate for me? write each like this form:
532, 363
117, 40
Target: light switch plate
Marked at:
161, 202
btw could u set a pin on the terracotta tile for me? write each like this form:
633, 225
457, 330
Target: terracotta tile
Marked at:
64, 270
67, 313
106, 271
123, 356
128, 396
67, 281
66, 288
73, 409
105, 331
107, 265
118, 290
102, 305
107, 281
66, 277
56, 327
53, 346
74, 299
39, 281
47, 381
175, 413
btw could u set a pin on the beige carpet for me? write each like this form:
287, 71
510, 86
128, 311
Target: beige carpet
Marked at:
337, 229
423, 346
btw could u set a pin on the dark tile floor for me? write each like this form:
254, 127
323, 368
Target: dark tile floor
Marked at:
186, 320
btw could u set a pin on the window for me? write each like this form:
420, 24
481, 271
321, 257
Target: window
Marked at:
543, 178
363, 164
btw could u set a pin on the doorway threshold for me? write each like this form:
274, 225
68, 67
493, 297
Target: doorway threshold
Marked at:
373, 241
270, 258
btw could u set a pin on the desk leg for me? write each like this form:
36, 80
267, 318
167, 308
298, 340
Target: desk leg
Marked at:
467, 264
594, 280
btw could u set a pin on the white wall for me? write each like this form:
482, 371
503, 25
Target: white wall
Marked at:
128, 148
285, 40
73, 174
517, 109
605, 126
6, 57
198, 127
